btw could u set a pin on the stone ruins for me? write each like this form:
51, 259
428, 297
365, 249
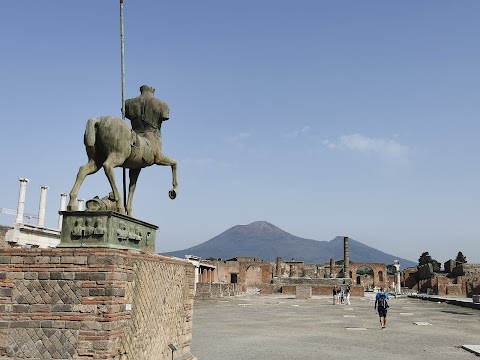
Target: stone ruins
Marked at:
91, 302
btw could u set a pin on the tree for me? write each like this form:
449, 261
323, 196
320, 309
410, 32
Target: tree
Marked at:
391, 269
365, 271
425, 258
461, 259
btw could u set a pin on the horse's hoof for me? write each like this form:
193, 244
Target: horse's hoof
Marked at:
172, 194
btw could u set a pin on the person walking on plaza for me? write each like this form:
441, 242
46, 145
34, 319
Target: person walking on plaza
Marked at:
381, 300
348, 294
342, 296
334, 294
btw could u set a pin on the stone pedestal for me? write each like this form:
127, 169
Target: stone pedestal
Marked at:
106, 229
94, 303
303, 292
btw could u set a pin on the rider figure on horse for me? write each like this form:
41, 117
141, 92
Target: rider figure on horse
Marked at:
145, 113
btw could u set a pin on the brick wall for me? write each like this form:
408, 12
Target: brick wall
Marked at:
94, 304
454, 290
441, 286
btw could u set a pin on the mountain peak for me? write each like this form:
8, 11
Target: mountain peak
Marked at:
266, 241
261, 227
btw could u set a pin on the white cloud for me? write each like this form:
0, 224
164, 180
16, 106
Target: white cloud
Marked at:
298, 132
237, 139
385, 148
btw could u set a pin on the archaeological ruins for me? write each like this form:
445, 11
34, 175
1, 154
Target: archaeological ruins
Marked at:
59, 301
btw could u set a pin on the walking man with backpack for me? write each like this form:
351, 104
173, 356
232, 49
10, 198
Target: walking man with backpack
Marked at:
381, 300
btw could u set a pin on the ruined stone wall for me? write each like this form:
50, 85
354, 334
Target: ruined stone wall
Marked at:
214, 291
410, 278
449, 265
425, 271
303, 292
3, 231
454, 290
254, 274
93, 303
441, 285
467, 269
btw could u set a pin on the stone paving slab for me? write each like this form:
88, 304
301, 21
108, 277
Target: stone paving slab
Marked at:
271, 328
473, 349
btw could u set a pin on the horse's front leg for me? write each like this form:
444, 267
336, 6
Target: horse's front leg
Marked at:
164, 160
133, 175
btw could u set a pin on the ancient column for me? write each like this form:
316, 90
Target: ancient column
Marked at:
398, 285
278, 267
63, 207
81, 204
42, 206
332, 268
346, 258
21, 200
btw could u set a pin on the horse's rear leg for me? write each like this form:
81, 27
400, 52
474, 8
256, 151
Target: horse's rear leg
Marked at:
133, 175
87, 169
113, 161
164, 160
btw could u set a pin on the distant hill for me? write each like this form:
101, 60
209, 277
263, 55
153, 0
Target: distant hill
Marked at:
267, 242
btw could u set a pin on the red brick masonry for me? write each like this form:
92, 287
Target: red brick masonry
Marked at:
94, 303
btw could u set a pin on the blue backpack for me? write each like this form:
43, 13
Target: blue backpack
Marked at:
382, 302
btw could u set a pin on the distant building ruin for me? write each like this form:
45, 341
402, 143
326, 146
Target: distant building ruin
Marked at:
28, 235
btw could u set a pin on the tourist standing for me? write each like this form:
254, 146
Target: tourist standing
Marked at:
342, 295
334, 294
348, 294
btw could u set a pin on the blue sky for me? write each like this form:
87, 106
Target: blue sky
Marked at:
324, 118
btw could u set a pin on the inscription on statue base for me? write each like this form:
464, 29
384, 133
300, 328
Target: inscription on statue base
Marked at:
106, 229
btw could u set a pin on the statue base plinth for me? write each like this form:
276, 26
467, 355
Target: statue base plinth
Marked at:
106, 229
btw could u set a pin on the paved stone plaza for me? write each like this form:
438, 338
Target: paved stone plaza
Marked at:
282, 327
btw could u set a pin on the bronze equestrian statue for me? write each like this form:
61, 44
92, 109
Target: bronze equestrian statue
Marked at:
111, 143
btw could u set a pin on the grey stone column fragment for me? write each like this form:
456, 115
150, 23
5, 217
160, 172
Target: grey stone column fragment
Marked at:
346, 258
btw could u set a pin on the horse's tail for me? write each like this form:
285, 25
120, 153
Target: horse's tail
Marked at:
90, 132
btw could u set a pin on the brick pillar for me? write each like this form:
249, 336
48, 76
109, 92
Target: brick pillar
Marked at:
278, 268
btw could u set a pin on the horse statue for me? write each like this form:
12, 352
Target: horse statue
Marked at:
111, 143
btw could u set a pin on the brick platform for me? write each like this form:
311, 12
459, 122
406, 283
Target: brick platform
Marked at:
94, 303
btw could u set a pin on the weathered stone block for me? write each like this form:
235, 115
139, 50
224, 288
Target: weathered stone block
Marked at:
5, 291
31, 276
20, 308
16, 260
42, 259
43, 276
